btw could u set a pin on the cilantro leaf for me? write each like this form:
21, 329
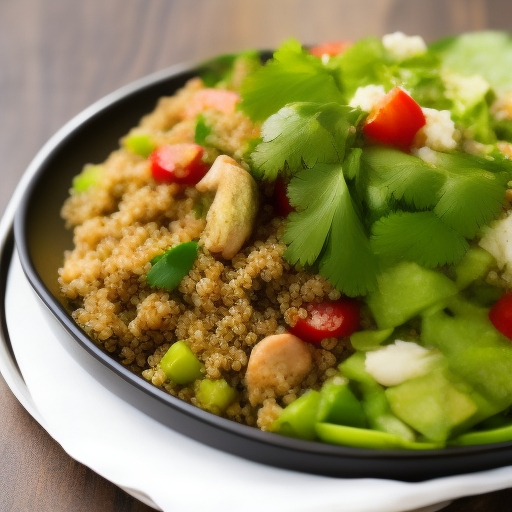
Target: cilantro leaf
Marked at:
364, 63
421, 237
202, 130
405, 177
471, 196
304, 134
168, 269
327, 232
292, 75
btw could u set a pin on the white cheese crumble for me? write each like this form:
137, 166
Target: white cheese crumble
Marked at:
367, 97
498, 241
439, 131
466, 89
398, 362
426, 154
402, 46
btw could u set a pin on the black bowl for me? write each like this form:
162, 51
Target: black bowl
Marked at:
41, 239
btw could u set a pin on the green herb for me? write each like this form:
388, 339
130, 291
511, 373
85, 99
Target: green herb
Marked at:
326, 231
487, 53
169, 269
471, 196
464, 191
420, 237
302, 134
291, 76
89, 177
202, 130
403, 176
366, 62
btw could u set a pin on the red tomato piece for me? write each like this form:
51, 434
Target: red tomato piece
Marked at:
282, 203
330, 319
178, 163
501, 315
330, 48
212, 99
395, 120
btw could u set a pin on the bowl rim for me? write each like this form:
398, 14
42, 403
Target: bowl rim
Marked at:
37, 168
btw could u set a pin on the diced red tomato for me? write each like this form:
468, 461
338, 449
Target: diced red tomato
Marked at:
330, 319
212, 99
395, 120
330, 48
282, 203
178, 163
501, 315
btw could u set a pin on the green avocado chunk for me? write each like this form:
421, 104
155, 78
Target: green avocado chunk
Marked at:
475, 264
432, 405
180, 364
405, 291
474, 349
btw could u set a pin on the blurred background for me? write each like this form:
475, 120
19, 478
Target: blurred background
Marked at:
59, 56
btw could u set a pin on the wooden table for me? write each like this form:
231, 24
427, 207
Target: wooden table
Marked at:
58, 56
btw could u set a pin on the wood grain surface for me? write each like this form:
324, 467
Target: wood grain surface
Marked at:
58, 56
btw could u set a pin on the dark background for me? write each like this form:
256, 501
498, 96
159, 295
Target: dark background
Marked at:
58, 56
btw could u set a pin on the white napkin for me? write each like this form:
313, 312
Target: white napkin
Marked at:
179, 474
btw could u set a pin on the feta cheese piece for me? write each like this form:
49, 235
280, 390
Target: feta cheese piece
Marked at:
367, 97
398, 362
402, 46
439, 132
426, 154
466, 89
498, 241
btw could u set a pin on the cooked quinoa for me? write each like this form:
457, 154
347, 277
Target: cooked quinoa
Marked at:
222, 308
317, 246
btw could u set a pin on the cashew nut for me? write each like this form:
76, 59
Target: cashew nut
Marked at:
230, 219
277, 364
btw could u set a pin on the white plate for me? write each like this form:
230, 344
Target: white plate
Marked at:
79, 414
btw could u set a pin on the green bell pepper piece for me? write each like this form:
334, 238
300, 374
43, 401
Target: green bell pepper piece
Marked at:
140, 144
299, 418
372, 439
180, 364
370, 340
339, 405
215, 395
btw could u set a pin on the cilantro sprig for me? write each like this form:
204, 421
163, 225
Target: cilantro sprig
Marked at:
303, 134
342, 190
326, 230
291, 76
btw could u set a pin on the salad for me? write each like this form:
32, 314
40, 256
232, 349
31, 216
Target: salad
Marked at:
317, 245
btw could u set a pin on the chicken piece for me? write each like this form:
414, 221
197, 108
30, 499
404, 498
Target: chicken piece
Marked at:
277, 364
230, 219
